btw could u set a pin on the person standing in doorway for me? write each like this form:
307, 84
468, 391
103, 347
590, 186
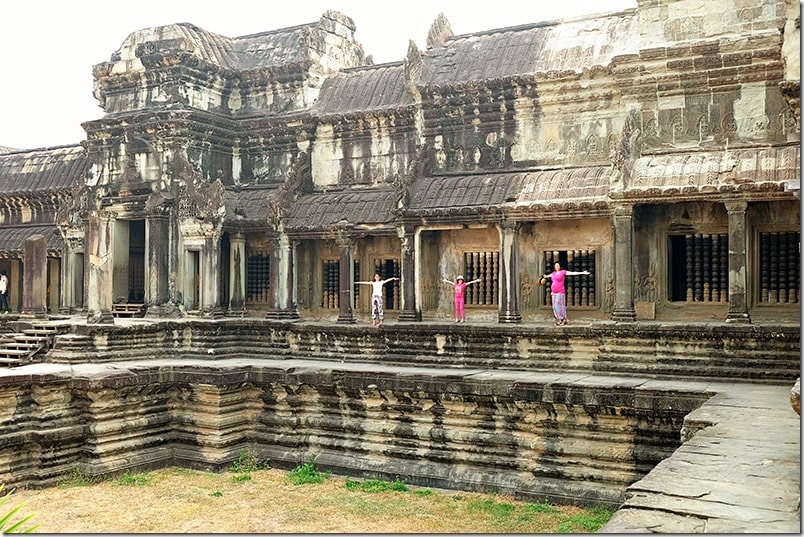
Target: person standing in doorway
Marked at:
460, 296
558, 291
376, 298
3, 292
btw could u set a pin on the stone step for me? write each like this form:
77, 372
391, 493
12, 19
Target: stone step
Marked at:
23, 346
14, 352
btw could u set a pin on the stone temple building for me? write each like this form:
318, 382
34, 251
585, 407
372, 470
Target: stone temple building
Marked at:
263, 175
237, 189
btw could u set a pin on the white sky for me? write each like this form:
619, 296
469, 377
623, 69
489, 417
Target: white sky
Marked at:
48, 48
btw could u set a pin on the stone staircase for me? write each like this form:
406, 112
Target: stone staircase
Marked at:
19, 348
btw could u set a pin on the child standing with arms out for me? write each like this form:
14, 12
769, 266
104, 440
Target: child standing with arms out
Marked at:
460, 286
559, 291
376, 298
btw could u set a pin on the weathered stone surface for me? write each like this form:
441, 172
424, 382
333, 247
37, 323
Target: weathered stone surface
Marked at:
548, 438
739, 474
764, 353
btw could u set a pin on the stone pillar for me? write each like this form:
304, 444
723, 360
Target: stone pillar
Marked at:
237, 274
409, 311
157, 245
100, 249
509, 273
120, 274
738, 303
210, 297
34, 277
72, 273
53, 277
623, 264
345, 279
282, 267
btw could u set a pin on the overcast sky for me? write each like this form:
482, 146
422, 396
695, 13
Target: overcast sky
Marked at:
48, 48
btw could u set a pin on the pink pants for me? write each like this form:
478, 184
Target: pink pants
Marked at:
459, 311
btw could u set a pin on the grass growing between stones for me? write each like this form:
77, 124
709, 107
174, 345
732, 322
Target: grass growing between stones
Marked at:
253, 498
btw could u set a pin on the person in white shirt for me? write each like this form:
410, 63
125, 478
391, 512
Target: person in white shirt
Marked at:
3, 292
376, 298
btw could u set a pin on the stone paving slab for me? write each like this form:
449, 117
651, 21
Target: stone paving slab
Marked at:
739, 474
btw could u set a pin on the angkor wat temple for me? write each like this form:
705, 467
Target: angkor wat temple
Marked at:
261, 176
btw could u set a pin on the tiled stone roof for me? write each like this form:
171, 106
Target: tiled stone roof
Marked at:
247, 204
267, 49
12, 238
380, 87
564, 45
356, 207
273, 49
40, 170
554, 189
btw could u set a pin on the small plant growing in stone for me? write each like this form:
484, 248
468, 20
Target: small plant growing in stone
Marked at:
247, 461
76, 478
7, 522
307, 473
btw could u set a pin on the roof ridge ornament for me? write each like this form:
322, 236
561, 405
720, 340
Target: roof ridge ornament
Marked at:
440, 31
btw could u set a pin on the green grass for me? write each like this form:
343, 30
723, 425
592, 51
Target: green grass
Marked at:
589, 521
376, 485
77, 478
138, 480
307, 473
247, 461
326, 505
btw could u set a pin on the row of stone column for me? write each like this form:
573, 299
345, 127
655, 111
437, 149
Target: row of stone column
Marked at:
623, 309
282, 300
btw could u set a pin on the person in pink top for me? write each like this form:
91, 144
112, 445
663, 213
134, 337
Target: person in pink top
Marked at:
559, 291
460, 298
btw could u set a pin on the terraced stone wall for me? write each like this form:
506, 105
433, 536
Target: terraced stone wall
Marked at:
532, 435
755, 353
572, 414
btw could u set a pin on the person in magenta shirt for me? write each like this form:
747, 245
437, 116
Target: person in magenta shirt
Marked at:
559, 291
460, 298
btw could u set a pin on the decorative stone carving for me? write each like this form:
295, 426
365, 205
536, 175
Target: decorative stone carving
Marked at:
440, 30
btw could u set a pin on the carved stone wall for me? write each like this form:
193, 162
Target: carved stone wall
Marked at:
568, 443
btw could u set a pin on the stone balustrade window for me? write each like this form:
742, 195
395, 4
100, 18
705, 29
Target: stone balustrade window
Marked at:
258, 280
330, 284
581, 290
779, 267
698, 268
486, 266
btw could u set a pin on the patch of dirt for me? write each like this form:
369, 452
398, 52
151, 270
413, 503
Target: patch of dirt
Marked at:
187, 501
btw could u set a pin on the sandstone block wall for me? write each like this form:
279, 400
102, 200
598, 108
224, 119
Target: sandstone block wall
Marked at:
533, 435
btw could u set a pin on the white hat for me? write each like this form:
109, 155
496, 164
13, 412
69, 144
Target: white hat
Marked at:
459, 278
